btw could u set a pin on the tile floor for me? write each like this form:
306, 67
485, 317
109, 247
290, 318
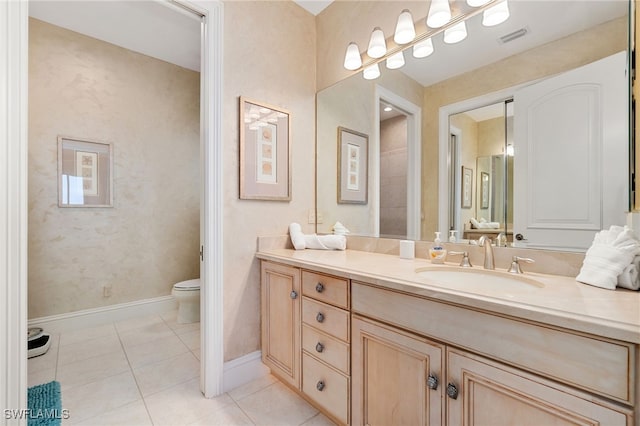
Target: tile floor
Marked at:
145, 371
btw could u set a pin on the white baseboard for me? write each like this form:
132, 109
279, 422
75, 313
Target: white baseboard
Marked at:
104, 315
243, 370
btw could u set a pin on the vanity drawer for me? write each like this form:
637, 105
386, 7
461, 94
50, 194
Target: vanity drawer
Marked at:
326, 387
328, 289
326, 348
326, 318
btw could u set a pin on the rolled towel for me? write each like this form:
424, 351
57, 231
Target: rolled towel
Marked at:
301, 241
630, 277
483, 224
610, 253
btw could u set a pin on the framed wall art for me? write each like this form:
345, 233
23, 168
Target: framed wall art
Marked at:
85, 177
484, 190
353, 159
467, 187
265, 152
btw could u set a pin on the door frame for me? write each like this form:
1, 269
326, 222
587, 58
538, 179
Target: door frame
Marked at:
14, 17
414, 160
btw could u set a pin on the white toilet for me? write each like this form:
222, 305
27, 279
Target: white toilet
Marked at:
187, 293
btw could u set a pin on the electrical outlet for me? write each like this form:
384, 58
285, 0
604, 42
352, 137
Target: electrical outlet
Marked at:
106, 291
312, 216
319, 217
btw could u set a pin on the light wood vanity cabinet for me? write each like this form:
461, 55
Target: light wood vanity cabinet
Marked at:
366, 354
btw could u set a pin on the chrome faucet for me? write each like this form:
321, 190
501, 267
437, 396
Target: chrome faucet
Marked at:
485, 242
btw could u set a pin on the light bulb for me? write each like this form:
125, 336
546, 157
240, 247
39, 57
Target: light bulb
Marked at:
439, 13
377, 45
371, 72
423, 48
456, 33
405, 31
352, 59
387, 109
496, 14
395, 61
477, 3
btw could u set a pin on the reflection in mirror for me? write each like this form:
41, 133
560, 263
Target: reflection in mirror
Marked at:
474, 73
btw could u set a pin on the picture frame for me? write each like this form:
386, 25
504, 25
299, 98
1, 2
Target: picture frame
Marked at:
85, 173
467, 188
353, 161
484, 190
265, 151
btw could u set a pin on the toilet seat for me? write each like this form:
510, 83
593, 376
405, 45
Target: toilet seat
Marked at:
189, 285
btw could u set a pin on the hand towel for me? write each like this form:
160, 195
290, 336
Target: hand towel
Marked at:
301, 241
610, 253
630, 277
340, 229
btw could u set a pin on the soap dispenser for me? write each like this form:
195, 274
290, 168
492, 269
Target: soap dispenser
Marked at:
452, 236
437, 253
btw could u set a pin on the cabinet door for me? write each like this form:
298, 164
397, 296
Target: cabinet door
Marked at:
281, 321
489, 393
390, 372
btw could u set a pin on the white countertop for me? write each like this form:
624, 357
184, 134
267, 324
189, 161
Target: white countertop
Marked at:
561, 301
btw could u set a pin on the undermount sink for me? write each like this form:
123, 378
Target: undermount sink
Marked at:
478, 279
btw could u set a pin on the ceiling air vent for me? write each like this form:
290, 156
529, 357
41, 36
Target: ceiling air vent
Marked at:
514, 35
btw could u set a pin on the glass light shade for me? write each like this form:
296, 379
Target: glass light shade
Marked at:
477, 3
455, 34
495, 15
423, 48
371, 72
377, 45
352, 59
439, 13
405, 31
395, 61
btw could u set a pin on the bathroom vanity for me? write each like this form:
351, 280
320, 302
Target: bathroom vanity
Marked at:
370, 338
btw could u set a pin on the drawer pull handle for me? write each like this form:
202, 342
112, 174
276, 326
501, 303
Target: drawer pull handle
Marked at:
320, 317
452, 391
319, 347
319, 287
320, 385
432, 382
294, 294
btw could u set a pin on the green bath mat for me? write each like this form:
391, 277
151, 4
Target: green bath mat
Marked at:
45, 405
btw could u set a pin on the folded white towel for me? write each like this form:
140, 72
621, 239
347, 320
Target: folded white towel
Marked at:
318, 242
610, 253
483, 224
340, 229
630, 277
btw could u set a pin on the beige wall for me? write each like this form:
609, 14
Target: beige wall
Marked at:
149, 110
269, 56
468, 128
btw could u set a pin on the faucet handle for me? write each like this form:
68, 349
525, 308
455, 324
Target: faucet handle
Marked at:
465, 262
515, 264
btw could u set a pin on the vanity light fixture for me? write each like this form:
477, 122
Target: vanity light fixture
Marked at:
423, 48
395, 61
352, 59
377, 44
438, 21
371, 72
405, 30
455, 34
496, 14
439, 13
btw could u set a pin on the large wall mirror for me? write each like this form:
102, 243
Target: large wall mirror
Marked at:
521, 129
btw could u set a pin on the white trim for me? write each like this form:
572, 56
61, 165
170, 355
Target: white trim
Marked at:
443, 143
14, 21
243, 370
414, 160
104, 315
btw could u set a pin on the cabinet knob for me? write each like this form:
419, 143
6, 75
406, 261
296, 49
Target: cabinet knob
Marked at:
294, 294
452, 391
320, 385
320, 317
319, 287
319, 347
432, 382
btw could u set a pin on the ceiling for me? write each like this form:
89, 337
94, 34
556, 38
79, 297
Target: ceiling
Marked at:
169, 33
